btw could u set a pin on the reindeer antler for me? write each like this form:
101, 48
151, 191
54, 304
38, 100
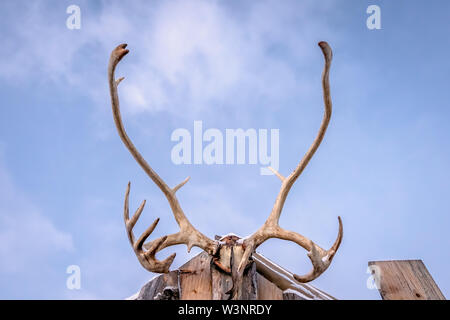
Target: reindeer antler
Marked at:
319, 257
187, 235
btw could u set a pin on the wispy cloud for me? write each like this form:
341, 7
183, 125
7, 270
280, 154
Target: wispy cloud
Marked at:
185, 55
382, 166
29, 239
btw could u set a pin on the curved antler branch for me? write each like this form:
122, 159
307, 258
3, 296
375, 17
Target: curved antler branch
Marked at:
290, 180
319, 257
188, 234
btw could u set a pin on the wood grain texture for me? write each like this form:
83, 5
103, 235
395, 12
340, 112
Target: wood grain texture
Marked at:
285, 280
195, 278
292, 296
155, 288
199, 279
268, 290
405, 280
222, 283
250, 283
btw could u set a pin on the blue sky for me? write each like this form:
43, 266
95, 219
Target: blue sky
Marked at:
383, 166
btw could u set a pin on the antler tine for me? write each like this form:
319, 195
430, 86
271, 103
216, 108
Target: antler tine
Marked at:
146, 258
290, 180
188, 234
116, 56
319, 257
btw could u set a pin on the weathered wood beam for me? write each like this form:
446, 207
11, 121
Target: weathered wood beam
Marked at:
222, 283
195, 278
285, 280
268, 290
405, 280
163, 287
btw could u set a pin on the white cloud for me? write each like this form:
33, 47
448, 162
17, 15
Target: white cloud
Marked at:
196, 53
185, 55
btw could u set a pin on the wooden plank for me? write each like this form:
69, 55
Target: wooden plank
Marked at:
250, 284
268, 290
222, 283
195, 278
163, 287
285, 280
405, 280
292, 295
